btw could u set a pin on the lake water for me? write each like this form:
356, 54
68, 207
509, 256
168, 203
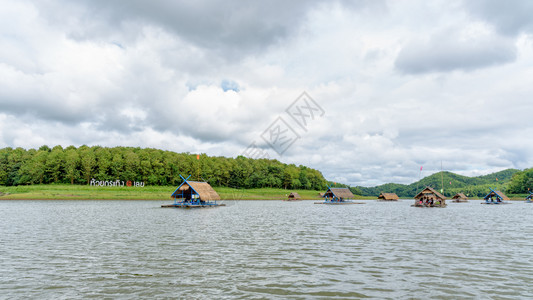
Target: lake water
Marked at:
265, 250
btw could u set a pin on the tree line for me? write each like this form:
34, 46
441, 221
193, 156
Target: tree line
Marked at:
152, 166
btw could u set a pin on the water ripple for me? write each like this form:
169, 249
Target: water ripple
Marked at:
264, 250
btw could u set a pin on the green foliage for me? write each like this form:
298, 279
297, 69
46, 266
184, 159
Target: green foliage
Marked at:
521, 182
155, 167
451, 183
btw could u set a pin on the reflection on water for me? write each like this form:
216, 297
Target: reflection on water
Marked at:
265, 249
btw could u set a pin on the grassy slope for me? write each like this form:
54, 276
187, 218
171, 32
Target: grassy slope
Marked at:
66, 191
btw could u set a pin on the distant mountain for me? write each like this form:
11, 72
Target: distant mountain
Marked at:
450, 182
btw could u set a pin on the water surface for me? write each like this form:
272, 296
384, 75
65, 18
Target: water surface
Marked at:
265, 250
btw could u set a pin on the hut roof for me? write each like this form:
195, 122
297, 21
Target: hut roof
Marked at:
294, 195
343, 193
203, 189
388, 196
497, 193
460, 196
430, 190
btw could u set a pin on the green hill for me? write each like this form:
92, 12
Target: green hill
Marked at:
521, 182
450, 182
153, 167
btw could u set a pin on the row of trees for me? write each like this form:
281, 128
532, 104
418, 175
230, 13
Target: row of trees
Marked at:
152, 166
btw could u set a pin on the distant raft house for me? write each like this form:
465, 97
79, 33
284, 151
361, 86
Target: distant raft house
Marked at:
193, 194
338, 196
429, 197
495, 197
388, 197
459, 198
293, 197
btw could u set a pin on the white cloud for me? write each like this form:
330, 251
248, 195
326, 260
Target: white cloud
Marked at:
402, 84
453, 49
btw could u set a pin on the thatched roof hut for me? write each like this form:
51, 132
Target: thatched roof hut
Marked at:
294, 196
496, 195
460, 197
388, 197
338, 194
195, 190
430, 193
429, 197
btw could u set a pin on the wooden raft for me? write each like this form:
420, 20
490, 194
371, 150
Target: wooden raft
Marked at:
180, 205
339, 202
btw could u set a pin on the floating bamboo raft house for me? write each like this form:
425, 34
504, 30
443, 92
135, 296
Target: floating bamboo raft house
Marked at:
495, 197
460, 198
294, 197
338, 196
194, 194
388, 197
429, 197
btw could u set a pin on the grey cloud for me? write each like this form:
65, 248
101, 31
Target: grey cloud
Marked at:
509, 17
230, 28
40, 109
445, 52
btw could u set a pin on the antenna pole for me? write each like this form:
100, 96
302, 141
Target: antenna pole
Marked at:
442, 177
418, 182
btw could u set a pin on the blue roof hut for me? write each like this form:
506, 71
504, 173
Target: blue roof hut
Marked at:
495, 197
192, 194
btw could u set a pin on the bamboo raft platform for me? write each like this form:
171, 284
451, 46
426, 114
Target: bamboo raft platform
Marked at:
338, 202
429, 206
191, 205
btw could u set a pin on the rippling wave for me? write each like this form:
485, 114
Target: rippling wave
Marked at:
265, 250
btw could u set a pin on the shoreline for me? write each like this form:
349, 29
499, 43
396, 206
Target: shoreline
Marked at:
155, 193
160, 193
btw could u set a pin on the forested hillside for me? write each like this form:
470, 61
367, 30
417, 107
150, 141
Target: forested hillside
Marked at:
522, 182
451, 183
151, 166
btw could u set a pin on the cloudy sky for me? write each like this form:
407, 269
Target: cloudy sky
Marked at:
394, 85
